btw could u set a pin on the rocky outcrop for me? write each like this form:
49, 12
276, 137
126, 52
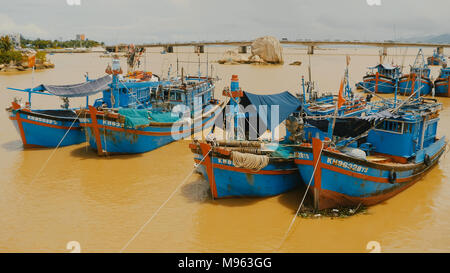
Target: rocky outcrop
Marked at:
12, 67
269, 49
231, 57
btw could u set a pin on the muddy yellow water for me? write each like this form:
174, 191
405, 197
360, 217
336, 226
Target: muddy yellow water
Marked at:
51, 197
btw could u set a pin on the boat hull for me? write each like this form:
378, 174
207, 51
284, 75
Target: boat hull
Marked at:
409, 84
108, 136
46, 131
434, 61
227, 180
379, 84
343, 181
442, 87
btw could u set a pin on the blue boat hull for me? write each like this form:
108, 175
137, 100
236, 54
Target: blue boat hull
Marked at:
110, 137
46, 131
407, 85
343, 181
226, 180
379, 84
442, 88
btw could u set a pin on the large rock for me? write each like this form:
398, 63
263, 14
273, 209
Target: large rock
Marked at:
255, 59
269, 49
231, 57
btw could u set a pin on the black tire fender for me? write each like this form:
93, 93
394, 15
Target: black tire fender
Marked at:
392, 176
427, 160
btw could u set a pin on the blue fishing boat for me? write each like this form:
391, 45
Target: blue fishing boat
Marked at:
441, 84
176, 110
383, 80
370, 159
417, 80
244, 165
53, 127
346, 104
61, 127
351, 105
437, 58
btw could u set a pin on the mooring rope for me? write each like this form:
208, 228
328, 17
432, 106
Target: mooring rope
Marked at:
301, 203
51, 155
163, 204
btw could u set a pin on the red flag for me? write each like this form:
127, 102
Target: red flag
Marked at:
341, 99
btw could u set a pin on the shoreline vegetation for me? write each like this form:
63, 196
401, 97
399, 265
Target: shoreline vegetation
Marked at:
23, 59
34, 54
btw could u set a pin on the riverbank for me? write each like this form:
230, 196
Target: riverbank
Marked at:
21, 68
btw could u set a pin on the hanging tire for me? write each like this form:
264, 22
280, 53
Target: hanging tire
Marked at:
392, 176
427, 160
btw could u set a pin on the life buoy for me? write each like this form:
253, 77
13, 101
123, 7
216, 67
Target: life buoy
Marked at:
392, 176
427, 160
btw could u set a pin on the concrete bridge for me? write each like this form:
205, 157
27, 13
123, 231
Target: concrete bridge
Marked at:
199, 47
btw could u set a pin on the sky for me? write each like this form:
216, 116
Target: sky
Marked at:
148, 21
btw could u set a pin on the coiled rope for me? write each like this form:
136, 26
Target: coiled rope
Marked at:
249, 161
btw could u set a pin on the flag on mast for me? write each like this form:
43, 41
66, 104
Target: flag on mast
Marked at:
341, 99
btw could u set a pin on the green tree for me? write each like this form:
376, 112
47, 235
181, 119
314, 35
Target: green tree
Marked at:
5, 44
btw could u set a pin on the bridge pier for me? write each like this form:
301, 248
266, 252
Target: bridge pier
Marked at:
243, 49
199, 49
310, 49
168, 49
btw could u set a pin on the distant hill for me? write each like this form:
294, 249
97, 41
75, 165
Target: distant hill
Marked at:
438, 39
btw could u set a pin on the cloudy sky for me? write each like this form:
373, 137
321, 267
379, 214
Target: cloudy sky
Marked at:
114, 21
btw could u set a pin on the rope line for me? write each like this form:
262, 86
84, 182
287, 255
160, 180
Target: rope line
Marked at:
54, 150
163, 204
301, 203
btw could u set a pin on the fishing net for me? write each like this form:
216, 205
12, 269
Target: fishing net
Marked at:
134, 117
283, 152
163, 117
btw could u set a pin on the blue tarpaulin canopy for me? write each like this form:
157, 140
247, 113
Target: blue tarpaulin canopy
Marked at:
286, 102
77, 90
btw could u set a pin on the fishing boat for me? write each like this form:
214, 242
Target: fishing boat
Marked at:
61, 127
175, 111
326, 103
437, 58
370, 159
419, 77
53, 127
441, 84
383, 80
323, 103
244, 164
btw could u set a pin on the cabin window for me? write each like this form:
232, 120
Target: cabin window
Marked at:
392, 126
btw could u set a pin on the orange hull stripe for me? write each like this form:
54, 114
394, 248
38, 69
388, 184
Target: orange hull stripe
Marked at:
42, 123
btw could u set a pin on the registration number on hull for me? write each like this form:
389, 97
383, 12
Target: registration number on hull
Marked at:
347, 165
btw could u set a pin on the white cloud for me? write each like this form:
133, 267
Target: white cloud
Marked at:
8, 26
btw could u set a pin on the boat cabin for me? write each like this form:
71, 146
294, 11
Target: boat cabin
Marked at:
424, 71
403, 137
387, 70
